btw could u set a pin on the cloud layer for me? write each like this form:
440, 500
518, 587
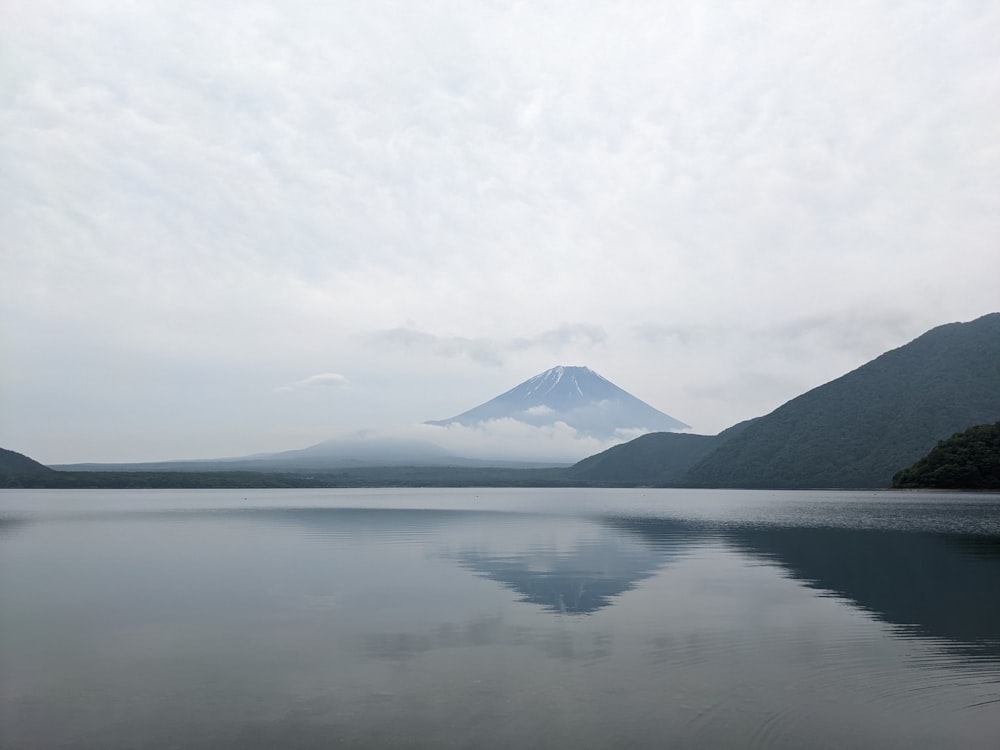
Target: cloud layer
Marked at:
334, 379
715, 206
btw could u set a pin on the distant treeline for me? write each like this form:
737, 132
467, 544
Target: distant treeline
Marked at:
391, 476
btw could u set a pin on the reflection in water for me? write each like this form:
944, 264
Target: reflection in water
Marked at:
597, 561
934, 585
579, 581
404, 645
927, 583
306, 627
941, 586
10, 525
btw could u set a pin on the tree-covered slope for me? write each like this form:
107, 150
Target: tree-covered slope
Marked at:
651, 459
967, 460
857, 430
12, 462
657, 459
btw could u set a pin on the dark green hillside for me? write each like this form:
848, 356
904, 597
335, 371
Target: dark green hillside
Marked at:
648, 460
12, 462
857, 430
656, 459
967, 460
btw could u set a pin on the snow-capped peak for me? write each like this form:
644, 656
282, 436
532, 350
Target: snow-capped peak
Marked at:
575, 395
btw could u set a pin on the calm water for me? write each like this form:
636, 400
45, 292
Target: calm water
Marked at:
498, 619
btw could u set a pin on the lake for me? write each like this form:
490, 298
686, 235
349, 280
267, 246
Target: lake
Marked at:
498, 618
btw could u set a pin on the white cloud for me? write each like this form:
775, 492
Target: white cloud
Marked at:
538, 411
509, 439
328, 379
482, 351
490, 352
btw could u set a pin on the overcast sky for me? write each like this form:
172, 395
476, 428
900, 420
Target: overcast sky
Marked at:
231, 227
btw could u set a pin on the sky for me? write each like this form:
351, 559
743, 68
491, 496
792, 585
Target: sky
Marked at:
235, 227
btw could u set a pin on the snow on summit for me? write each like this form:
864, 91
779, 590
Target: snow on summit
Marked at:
577, 396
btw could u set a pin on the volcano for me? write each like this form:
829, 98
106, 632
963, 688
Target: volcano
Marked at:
577, 396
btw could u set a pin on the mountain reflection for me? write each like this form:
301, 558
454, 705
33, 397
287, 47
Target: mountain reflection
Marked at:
934, 585
927, 584
10, 525
579, 581
594, 563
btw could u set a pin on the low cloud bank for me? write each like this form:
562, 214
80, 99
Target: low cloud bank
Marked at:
509, 440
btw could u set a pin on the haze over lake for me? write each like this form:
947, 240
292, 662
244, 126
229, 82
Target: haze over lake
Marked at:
498, 618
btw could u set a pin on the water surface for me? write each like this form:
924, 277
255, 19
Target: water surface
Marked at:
498, 618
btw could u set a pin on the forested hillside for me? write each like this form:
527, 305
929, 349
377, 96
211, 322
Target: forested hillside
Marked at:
653, 459
857, 430
967, 460
12, 462
656, 459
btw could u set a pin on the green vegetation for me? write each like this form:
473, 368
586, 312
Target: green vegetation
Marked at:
12, 462
131, 480
389, 476
856, 431
967, 460
648, 460
654, 460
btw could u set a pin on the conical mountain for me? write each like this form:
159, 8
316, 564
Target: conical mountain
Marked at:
576, 396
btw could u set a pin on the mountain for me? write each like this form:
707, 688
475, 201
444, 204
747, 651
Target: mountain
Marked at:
362, 451
857, 431
658, 458
854, 432
577, 396
860, 429
12, 462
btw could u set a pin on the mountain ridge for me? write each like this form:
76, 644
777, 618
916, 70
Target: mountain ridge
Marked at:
12, 462
858, 430
654, 459
337, 454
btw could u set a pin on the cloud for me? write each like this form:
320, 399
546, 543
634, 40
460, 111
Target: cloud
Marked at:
854, 330
329, 379
538, 411
482, 351
491, 352
710, 196
657, 334
511, 439
565, 335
